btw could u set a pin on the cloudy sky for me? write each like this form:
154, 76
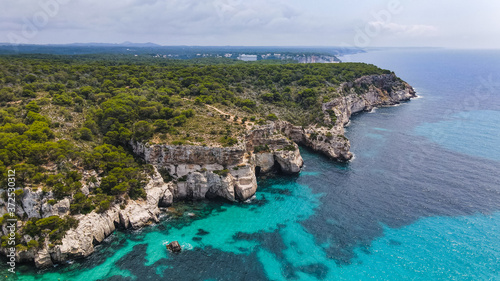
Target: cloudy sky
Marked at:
362, 23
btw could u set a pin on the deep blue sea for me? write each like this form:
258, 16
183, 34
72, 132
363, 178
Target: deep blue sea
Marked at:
420, 201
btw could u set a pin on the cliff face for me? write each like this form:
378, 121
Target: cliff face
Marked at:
363, 94
93, 227
197, 172
272, 150
378, 90
203, 172
200, 172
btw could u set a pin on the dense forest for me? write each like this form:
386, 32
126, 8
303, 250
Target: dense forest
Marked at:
62, 115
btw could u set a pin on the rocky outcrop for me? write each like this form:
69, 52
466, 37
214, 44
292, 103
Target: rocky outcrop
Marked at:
182, 159
289, 161
202, 172
198, 172
363, 94
140, 212
61, 208
93, 228
174, 247
368, 92
32, 203
79, 242
273, 150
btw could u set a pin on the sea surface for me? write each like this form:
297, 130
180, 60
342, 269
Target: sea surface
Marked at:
420, 201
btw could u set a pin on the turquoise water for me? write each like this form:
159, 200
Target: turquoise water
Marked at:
429, 249
420, 201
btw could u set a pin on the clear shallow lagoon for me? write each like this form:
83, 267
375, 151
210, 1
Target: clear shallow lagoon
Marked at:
421, 200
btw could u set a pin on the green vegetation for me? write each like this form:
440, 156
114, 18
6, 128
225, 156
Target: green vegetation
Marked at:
52, 227
261, 148
165, 175
221, 172
333, 116
62, 115
289, 147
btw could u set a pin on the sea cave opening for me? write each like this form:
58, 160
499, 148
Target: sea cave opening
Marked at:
257, 171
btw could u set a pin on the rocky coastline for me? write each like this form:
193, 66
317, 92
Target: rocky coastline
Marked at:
197, 172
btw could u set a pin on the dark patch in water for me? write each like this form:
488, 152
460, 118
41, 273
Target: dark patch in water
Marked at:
117, 278
196, 238
318, 270
280, 191
271, 241
365, 249
243, 250
196, 264
288, 270
202, 232
394, 242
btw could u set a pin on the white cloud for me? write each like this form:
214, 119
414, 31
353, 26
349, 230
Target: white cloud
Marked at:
256, 22
415, 30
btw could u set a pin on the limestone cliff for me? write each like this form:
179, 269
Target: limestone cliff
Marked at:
92, 228
363, 94
197, 172
202, 172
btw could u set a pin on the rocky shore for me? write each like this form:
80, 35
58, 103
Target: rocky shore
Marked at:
197, 172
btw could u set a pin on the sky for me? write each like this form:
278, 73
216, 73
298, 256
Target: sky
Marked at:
355, 23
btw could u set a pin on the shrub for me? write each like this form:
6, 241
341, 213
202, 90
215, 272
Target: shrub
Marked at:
33, 244
228, 141
261, 148
223, 173
28, 93
85, 134
179, 120
143, 130
272, 117
161, 126
33, 106
62, 99
332, 115
313, 136
165, 175
104, 206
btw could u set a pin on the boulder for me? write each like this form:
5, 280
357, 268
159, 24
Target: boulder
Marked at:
174, 247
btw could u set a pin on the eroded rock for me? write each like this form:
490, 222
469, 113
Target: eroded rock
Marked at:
174, 247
